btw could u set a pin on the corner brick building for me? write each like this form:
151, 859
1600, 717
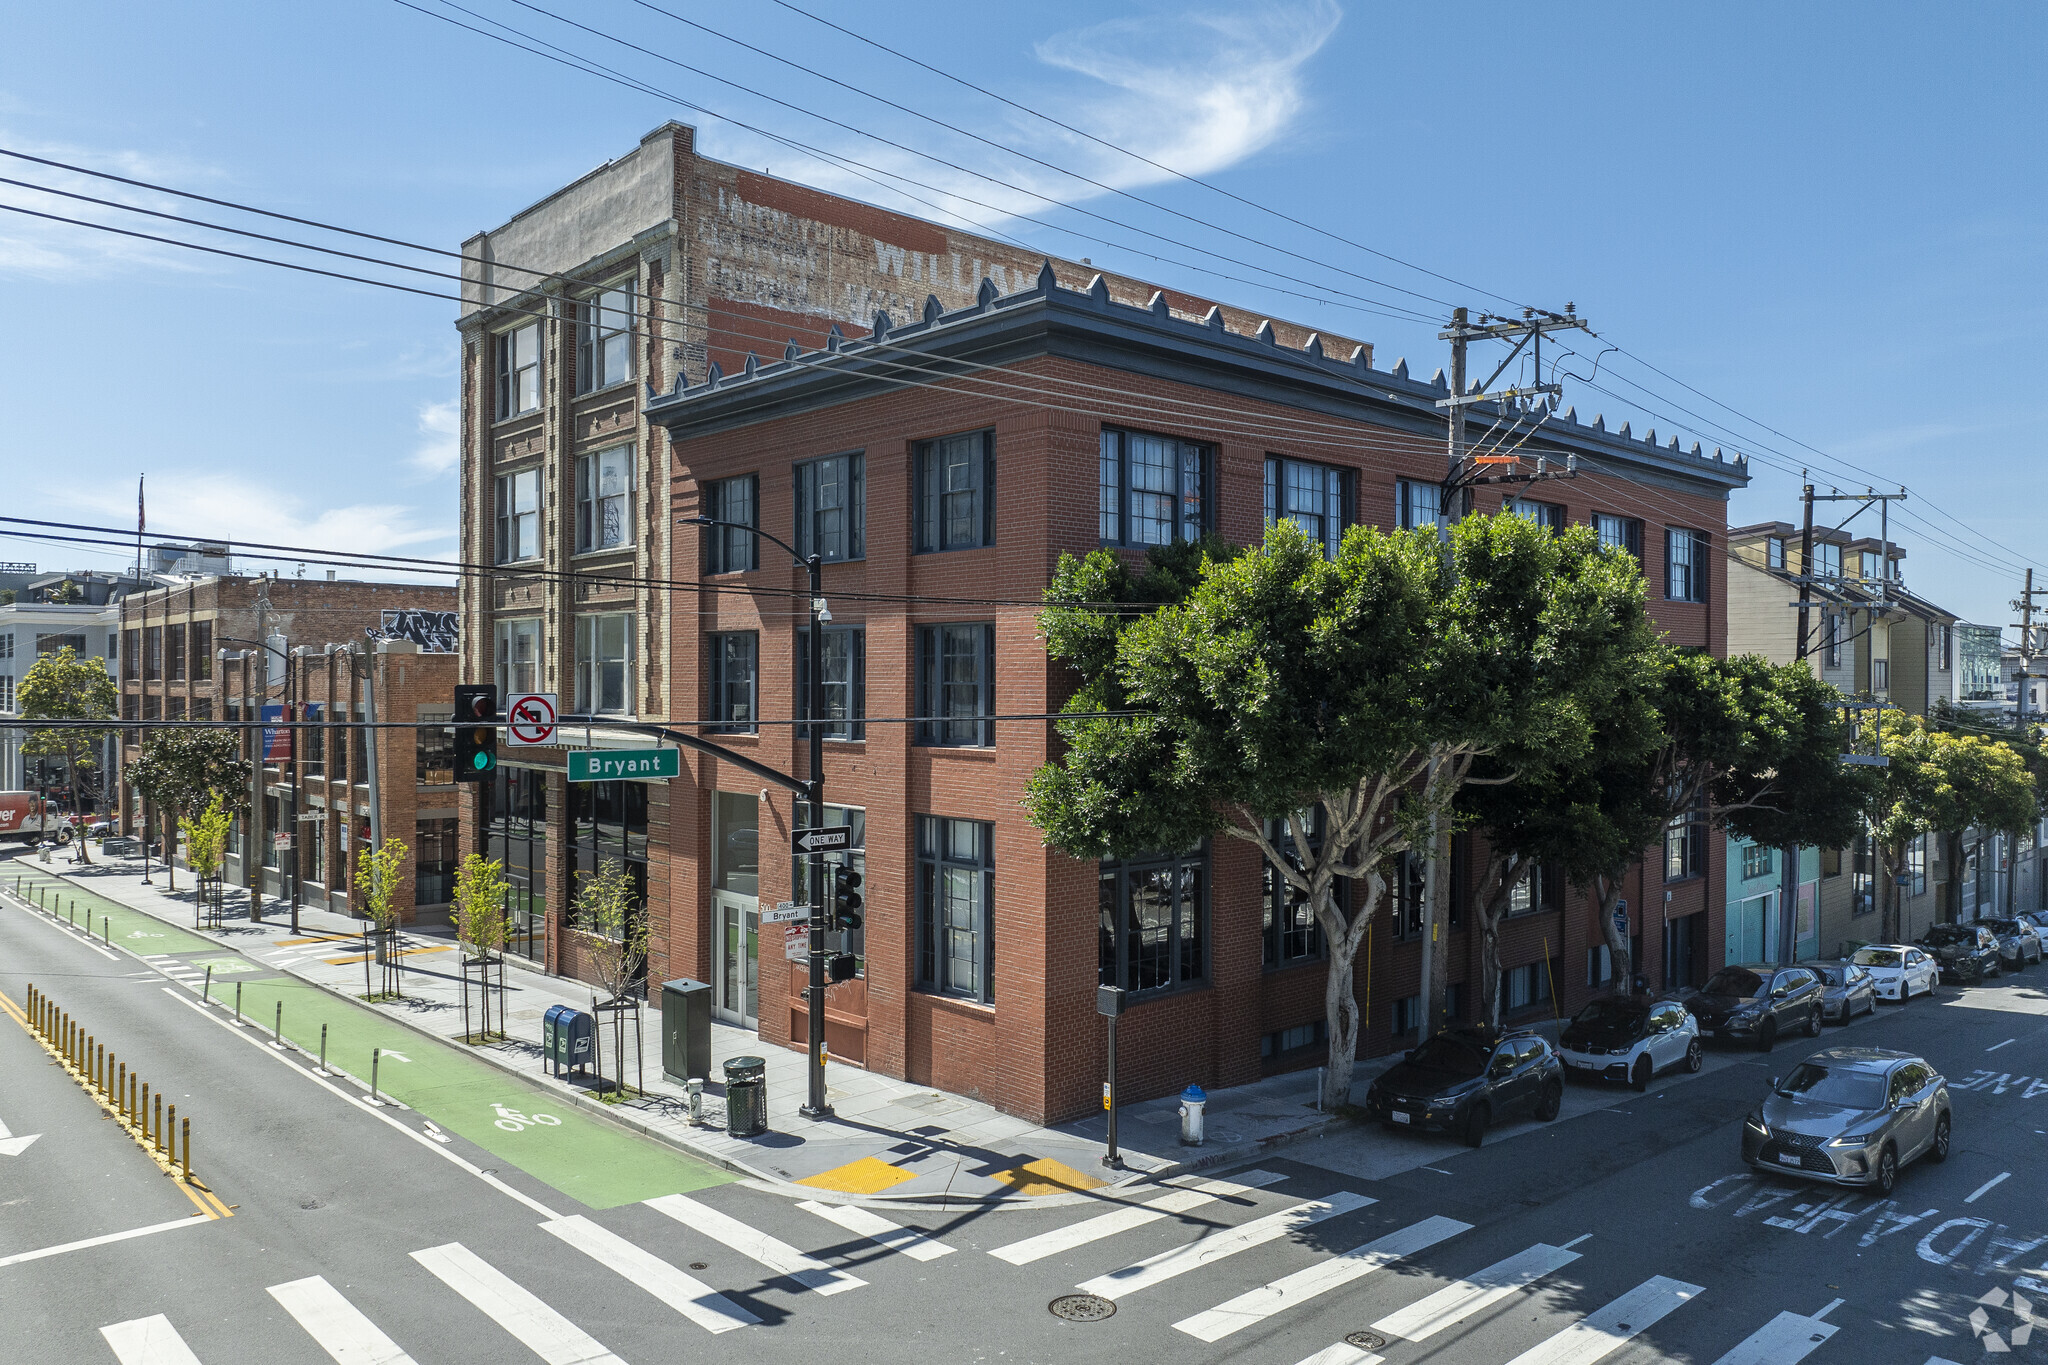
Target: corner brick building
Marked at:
940, 458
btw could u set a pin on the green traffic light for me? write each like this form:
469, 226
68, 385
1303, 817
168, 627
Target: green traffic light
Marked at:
482, 762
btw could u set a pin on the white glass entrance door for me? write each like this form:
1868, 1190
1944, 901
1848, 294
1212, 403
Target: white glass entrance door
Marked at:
736, 976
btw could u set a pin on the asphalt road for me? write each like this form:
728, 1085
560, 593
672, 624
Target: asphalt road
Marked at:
1624, 1235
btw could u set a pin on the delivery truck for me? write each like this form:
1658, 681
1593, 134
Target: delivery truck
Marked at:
30, 819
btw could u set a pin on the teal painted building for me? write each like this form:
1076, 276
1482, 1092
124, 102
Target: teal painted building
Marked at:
1756, 895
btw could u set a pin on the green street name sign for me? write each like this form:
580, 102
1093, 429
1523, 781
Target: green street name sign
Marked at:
612, 765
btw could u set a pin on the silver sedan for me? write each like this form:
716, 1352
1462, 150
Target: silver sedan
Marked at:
1847, 990
1851, 1116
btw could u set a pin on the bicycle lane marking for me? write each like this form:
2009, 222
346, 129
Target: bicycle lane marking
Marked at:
590, 1161
142, 934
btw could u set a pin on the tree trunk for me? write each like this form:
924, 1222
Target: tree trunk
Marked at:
1607, 890
79, 855
1340, 1008
170, 827
1952, 886
1491, 908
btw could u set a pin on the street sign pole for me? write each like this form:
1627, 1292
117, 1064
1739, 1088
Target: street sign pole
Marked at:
814, 998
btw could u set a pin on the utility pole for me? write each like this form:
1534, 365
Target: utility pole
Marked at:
1462, 473
2025, 625
1788, 894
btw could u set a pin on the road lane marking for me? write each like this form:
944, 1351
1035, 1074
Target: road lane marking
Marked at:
1344, 1353
1454, 1303
687, 1294
191, 1221
1995, 1046
1320, 1278
336, 1324
148, 1341
1208, 1250
778, 1256
1604, 1329
1986, 1187
919, 1246
1784, 1340
540, 1328
1137, 1215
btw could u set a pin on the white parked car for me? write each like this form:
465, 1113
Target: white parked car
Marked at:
1900, 971
1627, 1038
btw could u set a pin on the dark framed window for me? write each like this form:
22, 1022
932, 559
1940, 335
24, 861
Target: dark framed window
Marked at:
831, 508
1685, 565
604, 500
1541, 888
434, 750
1289, 931
1685, 847
845, 682
956, 492
956, 892
314, 759
1315, 497
131, 654
518, 516
1298, 1039
1619, 533
607, 824
1154, 932
152, 653
1548, 515
733, 548
1151, 490
1831, 638
1407, 893
1526, 986
518, 370
437, 842
1863, 876
174, 652
516, 835
1916, 866
604, 338
956, 689
1757, 860
1416, 503
735, 681
202, 651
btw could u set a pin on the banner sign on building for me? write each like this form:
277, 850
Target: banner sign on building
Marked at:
432, 631
277, 744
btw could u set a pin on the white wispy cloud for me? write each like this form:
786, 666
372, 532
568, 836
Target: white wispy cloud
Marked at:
440, 429
1198, 91
41, 248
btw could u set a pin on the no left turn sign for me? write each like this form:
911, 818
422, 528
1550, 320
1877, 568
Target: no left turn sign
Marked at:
530, 718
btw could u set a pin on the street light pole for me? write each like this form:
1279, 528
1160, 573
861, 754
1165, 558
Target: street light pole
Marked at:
256, 769
816, 1105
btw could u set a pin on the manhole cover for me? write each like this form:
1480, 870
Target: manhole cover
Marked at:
700, 1265
1082, 1307
1371, 1341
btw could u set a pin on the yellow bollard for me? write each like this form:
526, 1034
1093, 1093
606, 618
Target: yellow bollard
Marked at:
142, 1114
171, 1133
157, 1140
120, 1084
133, 1081
186, 1165
99, 1068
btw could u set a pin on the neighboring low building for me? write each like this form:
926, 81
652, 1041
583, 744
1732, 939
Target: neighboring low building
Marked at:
28, 630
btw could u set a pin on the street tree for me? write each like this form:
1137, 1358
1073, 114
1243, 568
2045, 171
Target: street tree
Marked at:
62, 686
181, 772
479, 900
613, 935
1323, 709
1942, 782
380, 878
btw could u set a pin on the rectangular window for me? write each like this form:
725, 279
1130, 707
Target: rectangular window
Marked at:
845, 682
152, 653
956, 492
1831, 638
732, 548
1599, 965
1525, 987
604, 338
1151, 490
1315, 497
1685, 565
202, 651
202, 708
518, 370
1774, 552
956, 685
1863, 877
735, 684
1548, 515
1880, 675
518, 516
1416, 503
314, 757
956, 892
437, 851
7, 646
1290, 932
1916, 866
604, 664
831, 508
518, 656
1153, 935
1619, 533
516, 835
1685, 848
608, 825
174, 708
1827, 561
131, 654
6, 692
434, 750
1541, 888
604, 499
174, 652
1300, 1038
1406, 898
1757, 861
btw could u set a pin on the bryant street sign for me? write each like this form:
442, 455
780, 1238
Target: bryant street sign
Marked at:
611, 765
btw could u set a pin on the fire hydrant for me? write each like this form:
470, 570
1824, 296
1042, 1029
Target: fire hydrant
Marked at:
696, 1087
1192, 1101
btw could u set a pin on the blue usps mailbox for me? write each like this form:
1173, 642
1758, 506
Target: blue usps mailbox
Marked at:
567, 1035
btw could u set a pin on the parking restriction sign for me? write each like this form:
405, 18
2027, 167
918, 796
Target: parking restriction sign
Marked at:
530, 718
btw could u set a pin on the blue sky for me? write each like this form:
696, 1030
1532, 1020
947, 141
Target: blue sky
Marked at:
1827, 216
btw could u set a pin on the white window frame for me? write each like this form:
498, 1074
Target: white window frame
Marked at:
518, 670
518, 526
1692, 564
519, 371
604, 663
605, 481
604, 337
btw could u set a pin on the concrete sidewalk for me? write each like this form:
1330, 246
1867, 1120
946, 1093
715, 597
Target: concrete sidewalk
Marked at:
887, 1140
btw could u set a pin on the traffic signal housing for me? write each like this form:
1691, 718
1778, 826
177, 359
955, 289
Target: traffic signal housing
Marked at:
845, 903
476, 732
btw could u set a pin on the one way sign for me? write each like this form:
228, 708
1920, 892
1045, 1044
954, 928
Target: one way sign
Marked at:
822, 838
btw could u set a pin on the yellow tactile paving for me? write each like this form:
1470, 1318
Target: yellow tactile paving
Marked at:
865, 1176
1046, 1176
318, 938
402, 952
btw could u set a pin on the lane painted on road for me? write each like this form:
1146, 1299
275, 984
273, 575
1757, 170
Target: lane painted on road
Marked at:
131, 929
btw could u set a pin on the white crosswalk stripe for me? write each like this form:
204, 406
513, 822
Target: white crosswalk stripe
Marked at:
1344, 1353
336, 1324
545, 1332
1603, 1330
778, 1256
148, 1341
1183, 1200
917, 1245
691, 1297
1320, 1278
1784, 1340
1454, 1303
1208, 1250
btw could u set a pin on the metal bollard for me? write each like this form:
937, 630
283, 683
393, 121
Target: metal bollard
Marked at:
238, 1004
121, 1089
106, 933
323, 1049
376, 1054
158, 1140
277, 1028
207, 993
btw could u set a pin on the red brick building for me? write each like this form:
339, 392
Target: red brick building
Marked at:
1035, 422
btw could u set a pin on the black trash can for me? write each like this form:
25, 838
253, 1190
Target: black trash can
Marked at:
746, 1096
686, 1030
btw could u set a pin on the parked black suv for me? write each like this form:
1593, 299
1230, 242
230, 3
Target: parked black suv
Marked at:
1966, 952
1756, 1003
1464, 1079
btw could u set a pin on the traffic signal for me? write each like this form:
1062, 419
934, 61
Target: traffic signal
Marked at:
841, 967
845, 902
476, 732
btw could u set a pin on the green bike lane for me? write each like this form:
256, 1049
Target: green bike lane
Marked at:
591, 1161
